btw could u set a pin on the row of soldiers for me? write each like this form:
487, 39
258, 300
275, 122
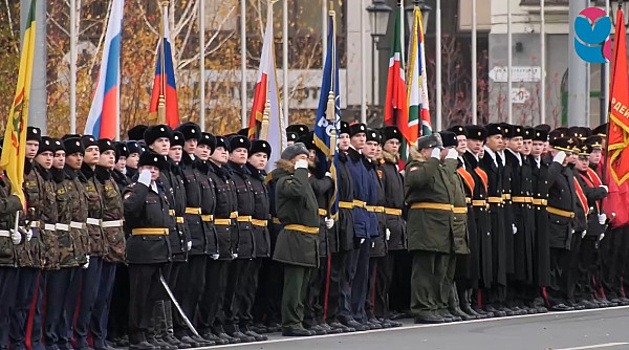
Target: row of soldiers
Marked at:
180, 239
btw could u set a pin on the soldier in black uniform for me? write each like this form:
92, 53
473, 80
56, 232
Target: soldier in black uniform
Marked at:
396, 265
210, 318
134, 150
148, 224
541, 247
342, 238
476, 136
561, 213
491, 164
198, 220
257, 162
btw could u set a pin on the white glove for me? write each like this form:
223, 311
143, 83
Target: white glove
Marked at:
387, 234
29, 234
301, 164
16, 237
514, 229
87, 263
583, 233
329, 174
452, 154
559, 157
362, 240
602, 219
605, 187
189, 245
600, 238
436, 153
329, 223
145, 177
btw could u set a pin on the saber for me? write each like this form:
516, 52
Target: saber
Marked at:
172, 298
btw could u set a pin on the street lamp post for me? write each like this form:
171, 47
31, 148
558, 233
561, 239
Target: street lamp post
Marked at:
379, 13
423, 7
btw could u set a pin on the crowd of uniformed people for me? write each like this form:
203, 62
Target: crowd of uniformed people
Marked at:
179, 238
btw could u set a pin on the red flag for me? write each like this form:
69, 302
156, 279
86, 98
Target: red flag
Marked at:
395, 104
618, 135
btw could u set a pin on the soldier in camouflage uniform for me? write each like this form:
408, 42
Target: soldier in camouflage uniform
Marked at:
9, 240
113, 237
91, 276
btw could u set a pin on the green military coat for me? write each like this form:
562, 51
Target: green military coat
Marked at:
296, 204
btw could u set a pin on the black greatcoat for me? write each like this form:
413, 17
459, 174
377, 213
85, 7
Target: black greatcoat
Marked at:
494, 191
468, 266
541, 250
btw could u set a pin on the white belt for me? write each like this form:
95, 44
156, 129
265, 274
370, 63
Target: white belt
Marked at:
78, 225
112, 223
5, 233
49, 227
35, 224
92, 221
62, 227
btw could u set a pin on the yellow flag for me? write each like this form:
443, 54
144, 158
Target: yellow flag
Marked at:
14, 147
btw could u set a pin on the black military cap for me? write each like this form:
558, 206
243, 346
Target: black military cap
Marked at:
134, 147
391, 132
476, 132
292, 136
585, 150
89, 141
243, 132
344, 128
575, 144
458, 130
357, 129
155, 132
308, 140
33, 134
151, 158
504, 127
221, 141
238, 141
73, 145
595, 141
493, 129
512, 131
448, 138
540, 135
373, 135
57, 145
177, 140
557, 134
561, 144
67, 136
208, 140
600, 130
580, 132
106, 145
121, 150
300, 129
46, 145
528, 133
190, 131
136, 133
258, 146
544, 127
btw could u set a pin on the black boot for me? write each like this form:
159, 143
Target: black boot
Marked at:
137, 341
169, 335
454, 305
466, 305
159, 327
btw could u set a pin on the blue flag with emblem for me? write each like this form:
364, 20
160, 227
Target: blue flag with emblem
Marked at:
329, 116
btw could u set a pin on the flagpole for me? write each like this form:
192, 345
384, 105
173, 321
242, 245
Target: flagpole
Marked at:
284, 60
243, 64
542, 40
73, 59
161, 104
402, 36
202, 63
509, 64
438, 93
363, 66
474, 64
324, 30
605, 87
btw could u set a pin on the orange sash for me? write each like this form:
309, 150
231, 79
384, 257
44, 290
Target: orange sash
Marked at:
581, 196
483, 176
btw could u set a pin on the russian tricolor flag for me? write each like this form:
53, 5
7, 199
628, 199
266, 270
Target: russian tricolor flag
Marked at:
103, 118
164, 83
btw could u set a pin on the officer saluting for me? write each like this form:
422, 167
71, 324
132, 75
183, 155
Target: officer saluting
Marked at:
148, 249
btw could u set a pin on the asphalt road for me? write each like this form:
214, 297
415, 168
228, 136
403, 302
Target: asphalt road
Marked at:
575, 330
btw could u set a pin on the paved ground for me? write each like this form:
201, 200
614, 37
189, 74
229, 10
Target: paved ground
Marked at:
575, 330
